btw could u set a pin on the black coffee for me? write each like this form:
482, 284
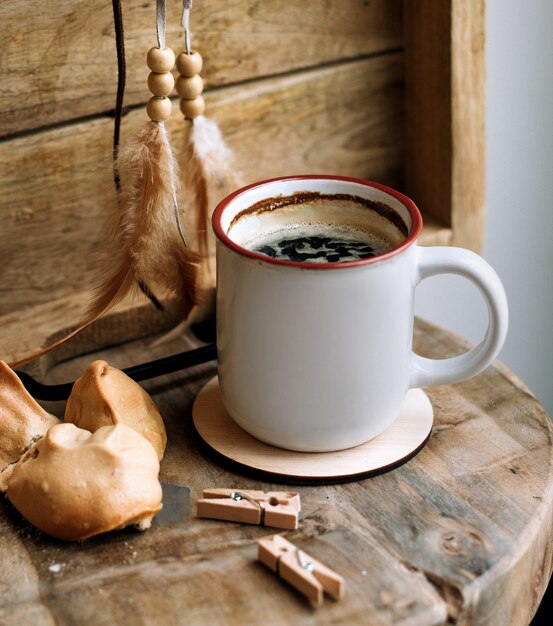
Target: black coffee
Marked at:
320, 245
314, 228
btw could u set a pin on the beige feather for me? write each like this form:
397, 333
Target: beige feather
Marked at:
209, 172
145, 240
146, 235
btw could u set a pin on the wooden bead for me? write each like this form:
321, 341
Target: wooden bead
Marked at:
192, 108
190, 87
161, 84
160, 60
159, 109
189, 64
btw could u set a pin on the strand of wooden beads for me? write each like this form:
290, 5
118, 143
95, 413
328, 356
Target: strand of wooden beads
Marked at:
160, 83
190, 84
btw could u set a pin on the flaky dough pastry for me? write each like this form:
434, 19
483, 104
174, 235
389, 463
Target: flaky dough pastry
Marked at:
73, 484
22, 421
104, 396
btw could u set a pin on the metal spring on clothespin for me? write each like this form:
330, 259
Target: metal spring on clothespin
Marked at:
237, 496
307, 565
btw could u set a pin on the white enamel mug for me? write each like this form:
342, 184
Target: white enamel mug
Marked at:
318, 357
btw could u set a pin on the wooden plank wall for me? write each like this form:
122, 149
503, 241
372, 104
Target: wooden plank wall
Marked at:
59, 60
296, 87
445, 115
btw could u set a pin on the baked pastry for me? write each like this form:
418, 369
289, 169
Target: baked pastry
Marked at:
22, 422
73, 484
104, 396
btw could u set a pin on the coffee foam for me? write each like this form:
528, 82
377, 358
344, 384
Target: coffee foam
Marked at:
319, 243
350, 217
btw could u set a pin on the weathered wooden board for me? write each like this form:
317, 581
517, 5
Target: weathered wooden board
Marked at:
59, 60
459, 535
345, 119
445, 113
344, 115
321, 87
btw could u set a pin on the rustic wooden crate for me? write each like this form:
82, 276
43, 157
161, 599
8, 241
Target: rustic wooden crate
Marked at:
388, 90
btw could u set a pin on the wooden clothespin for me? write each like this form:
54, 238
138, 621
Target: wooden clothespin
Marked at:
278, 509
309, 576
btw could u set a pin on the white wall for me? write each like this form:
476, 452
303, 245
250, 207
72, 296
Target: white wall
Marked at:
519, 232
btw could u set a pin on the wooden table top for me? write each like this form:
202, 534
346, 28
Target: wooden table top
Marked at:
461, 534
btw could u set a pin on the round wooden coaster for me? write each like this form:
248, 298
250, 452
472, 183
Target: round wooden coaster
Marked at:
397, 444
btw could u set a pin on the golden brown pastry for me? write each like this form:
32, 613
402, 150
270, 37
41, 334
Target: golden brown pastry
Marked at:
73, 484
22, 421
104, 396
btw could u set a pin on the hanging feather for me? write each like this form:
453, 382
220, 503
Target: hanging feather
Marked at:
147, 243
209, 172
208, 175
207, 164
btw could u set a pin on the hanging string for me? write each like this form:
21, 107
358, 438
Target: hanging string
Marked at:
174, 191
161, 20
186, 7
121, 78
161, 12
118, 114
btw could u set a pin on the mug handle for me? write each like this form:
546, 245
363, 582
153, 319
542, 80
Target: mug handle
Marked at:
446, 260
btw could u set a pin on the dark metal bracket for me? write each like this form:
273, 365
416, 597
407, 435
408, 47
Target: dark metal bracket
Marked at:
144, 371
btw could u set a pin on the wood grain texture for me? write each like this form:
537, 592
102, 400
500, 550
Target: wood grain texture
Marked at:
59, 60
445, 113
459, 535
345, 119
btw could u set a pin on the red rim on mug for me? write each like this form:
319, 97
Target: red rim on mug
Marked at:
414, 230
